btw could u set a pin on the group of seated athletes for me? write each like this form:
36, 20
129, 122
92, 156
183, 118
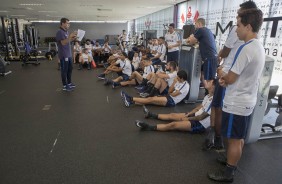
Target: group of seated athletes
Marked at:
159, 83
90, 53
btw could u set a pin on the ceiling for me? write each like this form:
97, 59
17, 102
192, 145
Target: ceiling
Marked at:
82, 10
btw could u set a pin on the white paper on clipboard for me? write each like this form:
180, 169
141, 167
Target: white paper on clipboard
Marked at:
80, 34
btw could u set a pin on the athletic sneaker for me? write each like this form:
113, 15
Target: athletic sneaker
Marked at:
115, 84
107, 81
126, 99
220, 176
144, 95
71, 85
141, 124
222, 159
146, 112
139, 87
67, 88
101, 76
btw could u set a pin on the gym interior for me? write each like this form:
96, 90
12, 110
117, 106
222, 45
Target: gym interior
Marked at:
88, 134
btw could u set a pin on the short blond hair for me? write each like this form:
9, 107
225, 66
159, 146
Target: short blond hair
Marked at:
201, 21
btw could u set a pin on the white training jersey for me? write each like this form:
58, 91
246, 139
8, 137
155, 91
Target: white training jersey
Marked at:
107, 49
85, 57
89, 48
95, 47
233, 43
162, 51
171, 76
147, 70
126, 66
183, 88
241, 96
136, 62
206, 107
77, 49
172, 39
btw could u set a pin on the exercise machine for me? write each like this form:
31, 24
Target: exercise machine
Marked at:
190, 61
273, 113
256, 121
3, 64
149, 34
27, 59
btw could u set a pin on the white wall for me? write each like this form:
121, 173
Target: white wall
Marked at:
93, 30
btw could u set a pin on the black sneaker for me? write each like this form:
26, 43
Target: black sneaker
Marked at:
146, 112
222, 159
209, 141
107, 81
141, 124
220, 176
218, 143
101, 76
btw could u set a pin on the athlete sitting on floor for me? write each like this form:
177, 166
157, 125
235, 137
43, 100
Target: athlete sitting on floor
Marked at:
195, 121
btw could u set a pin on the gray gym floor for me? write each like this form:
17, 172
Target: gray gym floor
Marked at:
89, 136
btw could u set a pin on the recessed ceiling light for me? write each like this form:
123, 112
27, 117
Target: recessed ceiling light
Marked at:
47, 11
17, 15
90, 5
33, 4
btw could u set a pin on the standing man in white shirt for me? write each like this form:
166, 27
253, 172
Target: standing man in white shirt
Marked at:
241, 82
173, 41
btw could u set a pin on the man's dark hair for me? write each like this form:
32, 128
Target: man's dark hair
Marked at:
182, 74
162, 38
254, 17
172, 25
64, 20
124, 54
248, 5
173, 64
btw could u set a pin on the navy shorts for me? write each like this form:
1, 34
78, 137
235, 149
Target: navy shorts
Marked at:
209, 68
125, 77
197, 127
218, 95
234, 126
170, 102
165, 91
173, 56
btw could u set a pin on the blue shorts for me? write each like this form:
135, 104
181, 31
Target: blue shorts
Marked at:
165, 91
173, 56
209, 68
218, 95
197, 127
170, 102
156, 61
234, 126
125, 77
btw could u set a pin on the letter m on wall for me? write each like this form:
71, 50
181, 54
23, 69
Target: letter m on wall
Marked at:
218, 26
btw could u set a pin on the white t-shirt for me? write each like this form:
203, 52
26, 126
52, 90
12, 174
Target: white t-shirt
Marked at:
172, 39
85, 57
107, 49
147, 70
126, 66
233, 43
162, 51
241, 96
171, 78
77, 49
183, 89
206, 107
95, 47
89, 48
136, 62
